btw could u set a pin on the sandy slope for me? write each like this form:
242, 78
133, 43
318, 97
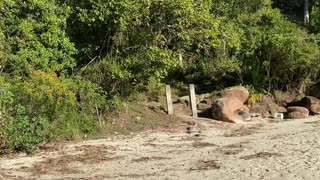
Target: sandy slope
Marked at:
258, 150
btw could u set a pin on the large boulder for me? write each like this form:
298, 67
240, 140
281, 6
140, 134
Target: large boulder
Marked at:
230, 110
241, 93
311, 103
297, 112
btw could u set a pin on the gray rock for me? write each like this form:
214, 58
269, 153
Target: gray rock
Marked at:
245, 115
204, 96
203, 106
186, 100
281, 109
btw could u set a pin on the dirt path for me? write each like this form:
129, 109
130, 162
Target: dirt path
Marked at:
258, 150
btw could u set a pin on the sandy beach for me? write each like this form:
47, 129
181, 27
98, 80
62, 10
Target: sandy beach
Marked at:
261, 149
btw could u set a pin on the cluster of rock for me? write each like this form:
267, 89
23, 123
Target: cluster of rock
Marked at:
294, 110
203, 102
307, 105
232, 106
229, 107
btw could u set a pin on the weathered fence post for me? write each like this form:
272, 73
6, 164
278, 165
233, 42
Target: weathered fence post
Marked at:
193, 101
180, 60
169, 100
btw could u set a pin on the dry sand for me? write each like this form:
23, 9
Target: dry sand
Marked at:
262, 149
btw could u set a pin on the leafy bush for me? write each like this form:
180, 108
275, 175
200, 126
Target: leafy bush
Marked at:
276, 54
255, 95
35, 31
123, 76
46, 106
21, 132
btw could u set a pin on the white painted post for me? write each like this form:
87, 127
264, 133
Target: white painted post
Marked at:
193, 101
169, 100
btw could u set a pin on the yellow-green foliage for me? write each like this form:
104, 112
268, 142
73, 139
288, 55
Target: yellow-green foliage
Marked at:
47, 87
255, 96
46, 106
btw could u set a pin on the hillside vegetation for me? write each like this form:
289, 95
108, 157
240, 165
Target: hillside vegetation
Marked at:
66, 64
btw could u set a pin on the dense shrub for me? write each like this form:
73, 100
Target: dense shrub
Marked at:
47, 106
276, 54
122, 76
35, 32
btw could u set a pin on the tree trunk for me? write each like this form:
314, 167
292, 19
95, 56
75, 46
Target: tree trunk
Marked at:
306, 12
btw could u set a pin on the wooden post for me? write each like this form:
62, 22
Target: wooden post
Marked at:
180, 60
193, 101
169, 100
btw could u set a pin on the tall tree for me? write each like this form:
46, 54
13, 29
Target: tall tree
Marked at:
306, 12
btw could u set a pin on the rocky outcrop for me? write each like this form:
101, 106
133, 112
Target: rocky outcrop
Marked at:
266, 107
311, 103
296, 112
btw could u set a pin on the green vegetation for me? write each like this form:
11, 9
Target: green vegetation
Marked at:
66, 64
